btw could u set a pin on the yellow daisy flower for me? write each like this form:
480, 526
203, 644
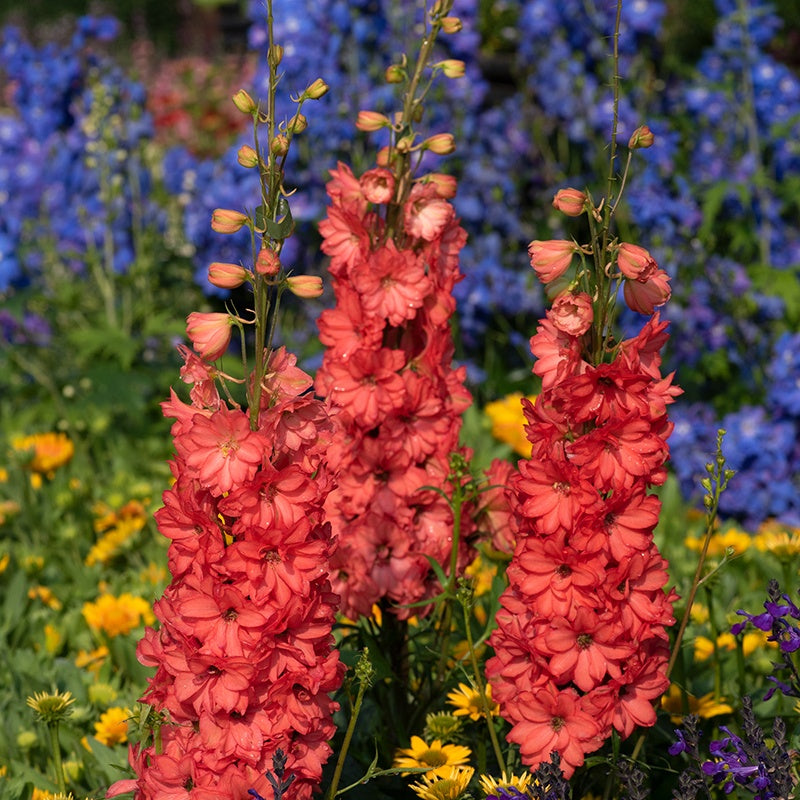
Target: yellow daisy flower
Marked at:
468, 702
48, 451
783, 543
508, 421
117, 615
450, 786
436, 757
705, 707
113, 726
491, 785
737, 540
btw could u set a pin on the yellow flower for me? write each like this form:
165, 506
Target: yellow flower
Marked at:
3, 475
468, 701
91, 660
4, 561
492, 785
46, 596
753, 641
155, 574
699, 614
705, 706
508, 421
117, 615
51, 707
113, 726
52, 639
49, 451
483, 574
738, 540
784, 543
436, 756
450, 786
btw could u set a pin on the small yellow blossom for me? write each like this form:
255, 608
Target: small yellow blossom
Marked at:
46, 596
48, 451
117, 615
491, 785
52, 639
482, 574
468, 702
705, 706
508, 421
737, 540
450, 786
699, 614
91, 660
782, 542
4, 560
113, 726
436, 756
155, 574
3, 475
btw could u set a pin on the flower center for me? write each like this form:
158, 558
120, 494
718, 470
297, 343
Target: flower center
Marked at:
434, 758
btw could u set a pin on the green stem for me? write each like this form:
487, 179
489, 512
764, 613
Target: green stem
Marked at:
56, 748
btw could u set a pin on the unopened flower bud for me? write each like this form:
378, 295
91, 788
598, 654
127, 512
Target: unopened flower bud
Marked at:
275, 55
268, 262
371, 121
394, 74
641, 137
316, 90
226, 276
297, 124
571, 202
635, 262
305, 286
445, 185
224, 220
382, 157
551, 259
452, 68
247, 157
404, 144
244, 102
451, 24
279, 146
209, 333
440, 143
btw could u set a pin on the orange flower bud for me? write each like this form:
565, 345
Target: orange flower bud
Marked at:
635, 262
226, 276
451, 24
247, 157
440, 143
306, 286
551, 258
316, 90
382, 157
297, 124
394, 74
452, 68
268, 263
371, 121
223, 220
571, 202
244, 102
446, 185
279, 146
210, 334
641, 137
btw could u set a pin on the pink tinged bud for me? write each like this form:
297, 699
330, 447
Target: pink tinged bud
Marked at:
210, 333
572, 313
641, 137
316, 90
247, 157
645, 296
226, 276
378, 185
223, 220
279, 146
382, 157
371, 121
635, 262
571, 202
551, 259
268, 262
394, 74
452, 68
306, 286
440, 143
445, 185
244, 102
451, 24
297, 124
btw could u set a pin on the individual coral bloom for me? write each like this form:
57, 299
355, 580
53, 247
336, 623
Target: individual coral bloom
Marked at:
551, 259
553, 719
635, 262
644, 297
437, 757
221, 449
451, 786
225, 220
571, 202
378, 185
210, 333
49, 451
572, 313
226, 276
425, 214
468, 701
371, 121
113, 726
305, 286
115, 616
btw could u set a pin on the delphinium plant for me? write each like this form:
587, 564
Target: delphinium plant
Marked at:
243, 657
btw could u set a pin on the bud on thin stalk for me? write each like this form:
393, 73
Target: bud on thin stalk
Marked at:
305, 286
440, 143
244, 102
